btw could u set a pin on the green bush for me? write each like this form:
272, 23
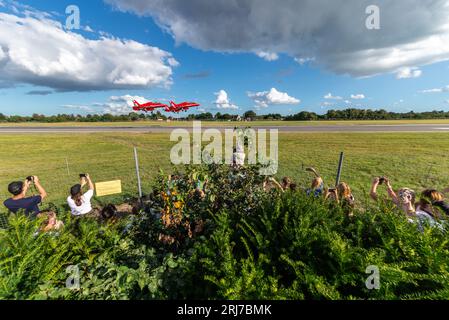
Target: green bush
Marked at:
298, 247
254, 245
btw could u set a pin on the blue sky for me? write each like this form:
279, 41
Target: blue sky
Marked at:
203, 70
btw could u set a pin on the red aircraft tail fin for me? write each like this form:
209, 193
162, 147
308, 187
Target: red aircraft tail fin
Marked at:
136, 106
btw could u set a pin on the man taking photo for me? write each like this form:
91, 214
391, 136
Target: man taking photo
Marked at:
19, 201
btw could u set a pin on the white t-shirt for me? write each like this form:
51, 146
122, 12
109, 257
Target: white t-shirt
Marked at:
422, 218
85, 206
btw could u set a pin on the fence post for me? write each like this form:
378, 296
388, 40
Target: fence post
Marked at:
138, 173
340, 164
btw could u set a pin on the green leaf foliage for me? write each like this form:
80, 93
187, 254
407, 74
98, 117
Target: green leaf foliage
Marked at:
243, 243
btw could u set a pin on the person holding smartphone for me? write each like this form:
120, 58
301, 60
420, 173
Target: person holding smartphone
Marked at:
79, 202
404, 199
19, 200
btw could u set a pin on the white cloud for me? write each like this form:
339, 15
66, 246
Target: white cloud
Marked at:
303, 61
222, 101
117, 105
327, 104
88, 29
413, 33
36, 49
269, 56
78, 107
329, 96
407, 73
359, 96
172, 62
436, 90
273, 97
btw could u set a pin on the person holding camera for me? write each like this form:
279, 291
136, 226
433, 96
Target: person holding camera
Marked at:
404, 199
19, 200
376, 183
79, 202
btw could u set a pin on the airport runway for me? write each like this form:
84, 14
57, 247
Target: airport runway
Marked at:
158, 129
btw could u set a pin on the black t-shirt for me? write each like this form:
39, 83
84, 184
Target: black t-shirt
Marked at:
30, 205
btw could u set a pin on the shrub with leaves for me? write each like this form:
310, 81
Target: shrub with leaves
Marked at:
212, 232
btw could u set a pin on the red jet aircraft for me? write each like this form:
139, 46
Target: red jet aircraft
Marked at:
184, 106
148, 107
173, 107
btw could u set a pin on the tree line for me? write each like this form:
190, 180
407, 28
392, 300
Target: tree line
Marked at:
347, 114
366, 114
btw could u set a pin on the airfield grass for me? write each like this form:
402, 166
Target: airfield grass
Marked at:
224, 123
415, 160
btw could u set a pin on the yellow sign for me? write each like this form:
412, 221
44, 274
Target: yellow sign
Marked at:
108, 188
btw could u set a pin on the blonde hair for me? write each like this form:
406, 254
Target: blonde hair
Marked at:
427, 200
432, 195
344, 191
409, 192
316, 182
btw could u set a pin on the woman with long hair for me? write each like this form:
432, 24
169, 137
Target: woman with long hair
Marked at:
317, 185
79, 202
342, 195
432, 202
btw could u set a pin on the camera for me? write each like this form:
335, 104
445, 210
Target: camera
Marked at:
83, 175
30, 179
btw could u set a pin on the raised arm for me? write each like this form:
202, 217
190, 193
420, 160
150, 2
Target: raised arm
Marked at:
277, 184
373, 191
331, 193
39, 187
89, 182
391, 192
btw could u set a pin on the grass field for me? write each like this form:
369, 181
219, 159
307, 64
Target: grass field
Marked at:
415, 160
223, 123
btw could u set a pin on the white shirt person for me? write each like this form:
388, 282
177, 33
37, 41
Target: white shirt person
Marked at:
79, 203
